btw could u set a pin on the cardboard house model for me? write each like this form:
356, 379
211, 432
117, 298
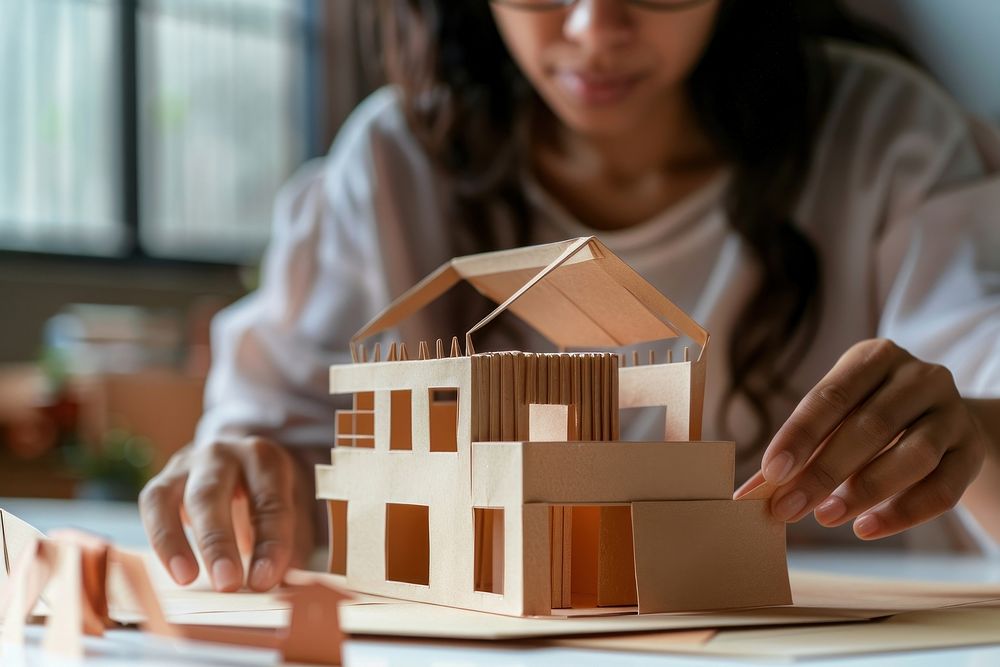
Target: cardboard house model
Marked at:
496, 481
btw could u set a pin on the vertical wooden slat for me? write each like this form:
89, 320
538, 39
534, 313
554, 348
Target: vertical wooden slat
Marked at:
576, 391
477, 397
606, 398
543, 380
507, 424
567, 568
615, 411
556, 555
486, 408
531, 379
520, 405
565, 380
495, 397
566, 388
586, 418
554, 386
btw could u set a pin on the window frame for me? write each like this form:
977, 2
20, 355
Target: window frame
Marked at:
129, 179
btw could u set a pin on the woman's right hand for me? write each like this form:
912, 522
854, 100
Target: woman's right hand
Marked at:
201, 483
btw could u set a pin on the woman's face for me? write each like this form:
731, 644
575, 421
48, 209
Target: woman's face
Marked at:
606, 66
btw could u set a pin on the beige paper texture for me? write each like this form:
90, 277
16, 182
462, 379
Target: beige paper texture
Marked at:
708, 555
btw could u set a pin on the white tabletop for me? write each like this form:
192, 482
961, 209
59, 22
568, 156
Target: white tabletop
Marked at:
120, 522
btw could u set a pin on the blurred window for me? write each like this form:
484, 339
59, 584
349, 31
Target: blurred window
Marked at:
60, 165
222, 121
207, 98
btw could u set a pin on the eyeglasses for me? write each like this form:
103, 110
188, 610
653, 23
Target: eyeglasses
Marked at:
656, 5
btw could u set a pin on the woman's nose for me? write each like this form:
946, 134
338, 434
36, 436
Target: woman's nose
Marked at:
598, 24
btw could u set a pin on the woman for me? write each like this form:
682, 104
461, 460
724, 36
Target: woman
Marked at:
816, 206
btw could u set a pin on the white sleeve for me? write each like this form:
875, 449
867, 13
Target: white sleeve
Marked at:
321, 279
937, 271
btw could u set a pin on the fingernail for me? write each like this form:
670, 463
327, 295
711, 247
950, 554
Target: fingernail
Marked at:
225, 576
182, 569
261, 577
866, 526
790, 505
831, 510
748, 486
777, 469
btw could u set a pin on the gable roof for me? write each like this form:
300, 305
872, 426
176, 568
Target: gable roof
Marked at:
576, 293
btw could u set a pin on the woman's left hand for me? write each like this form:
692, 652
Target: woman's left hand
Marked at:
884, 439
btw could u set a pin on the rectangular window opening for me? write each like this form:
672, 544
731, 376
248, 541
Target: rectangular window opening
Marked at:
645, 424
489, 551
592, 557
407, 543
364, 400
344, 436
444, 419
337, 510
356, 427
446, 395
552, 423
401, 420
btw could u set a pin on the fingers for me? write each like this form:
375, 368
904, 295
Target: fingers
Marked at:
865, 432
159, 507
269, 476
917, 454
853, 378
202, 484
937, 493
884, 439
208, 498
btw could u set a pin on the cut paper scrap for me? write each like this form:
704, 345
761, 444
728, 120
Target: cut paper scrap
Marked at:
820, 598
372, 615
414, 619
309, 632
72, 568
910, 631
943, 628
408, 619
15, 537
841, 591
200, 598
378, 616
92, 586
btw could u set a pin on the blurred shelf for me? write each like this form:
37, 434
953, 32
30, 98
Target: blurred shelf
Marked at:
45, 477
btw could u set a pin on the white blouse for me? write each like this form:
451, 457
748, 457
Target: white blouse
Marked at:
902, 202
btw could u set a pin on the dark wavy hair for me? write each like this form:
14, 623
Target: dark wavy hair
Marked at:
760, 90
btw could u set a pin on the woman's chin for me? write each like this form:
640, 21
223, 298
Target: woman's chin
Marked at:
606, 121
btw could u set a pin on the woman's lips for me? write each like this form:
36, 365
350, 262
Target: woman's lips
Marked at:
596, 89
